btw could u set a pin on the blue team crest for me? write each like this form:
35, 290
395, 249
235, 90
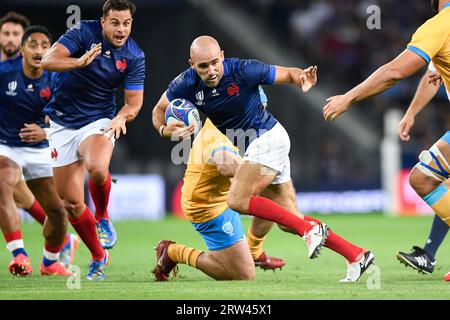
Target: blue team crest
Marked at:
228, 228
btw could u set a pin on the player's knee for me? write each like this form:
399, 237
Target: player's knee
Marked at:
98, 174
238, 204
422, 183
246, 274
74, 208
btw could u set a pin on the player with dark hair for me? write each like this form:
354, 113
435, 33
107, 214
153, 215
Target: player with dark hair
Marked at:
29, 89
227, 91
430, 42
94, 59
12, 27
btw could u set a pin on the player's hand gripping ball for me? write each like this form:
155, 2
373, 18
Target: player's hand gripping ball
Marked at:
183, 110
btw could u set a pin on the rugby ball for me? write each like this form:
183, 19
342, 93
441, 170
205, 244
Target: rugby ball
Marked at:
183, 110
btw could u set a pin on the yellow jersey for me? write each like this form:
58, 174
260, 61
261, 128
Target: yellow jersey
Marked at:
432, 42
205, 190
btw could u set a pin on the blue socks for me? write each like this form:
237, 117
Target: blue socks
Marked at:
438, 232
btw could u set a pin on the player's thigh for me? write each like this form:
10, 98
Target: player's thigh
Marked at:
45, 191
69, 182
9, 175
23, 196
96, 151
238, 260
251, 179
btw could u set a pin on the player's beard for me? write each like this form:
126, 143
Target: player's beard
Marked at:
10, 53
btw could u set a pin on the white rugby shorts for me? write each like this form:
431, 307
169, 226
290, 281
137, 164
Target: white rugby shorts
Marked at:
271, 149
65, 142
34, 162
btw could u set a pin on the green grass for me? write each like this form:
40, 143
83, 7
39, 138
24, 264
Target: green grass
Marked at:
129, 276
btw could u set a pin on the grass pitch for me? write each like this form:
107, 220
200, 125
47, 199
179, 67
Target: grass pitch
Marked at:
129, 276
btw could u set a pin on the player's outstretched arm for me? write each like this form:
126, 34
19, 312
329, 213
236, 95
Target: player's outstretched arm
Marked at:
426, 90
385, 77
173, 129
303, 79
226, 162
58, 58
133, 104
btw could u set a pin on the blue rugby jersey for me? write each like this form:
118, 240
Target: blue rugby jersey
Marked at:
83, 96
21, 101
236, 101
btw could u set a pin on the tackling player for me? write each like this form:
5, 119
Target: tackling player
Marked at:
423, 259
431, 42
227, 91
26, 89
12, 28
94, 59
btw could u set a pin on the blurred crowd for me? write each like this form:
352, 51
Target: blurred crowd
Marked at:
334, 35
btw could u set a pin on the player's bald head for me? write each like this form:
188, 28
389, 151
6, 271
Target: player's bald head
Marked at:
203, 47
207, 59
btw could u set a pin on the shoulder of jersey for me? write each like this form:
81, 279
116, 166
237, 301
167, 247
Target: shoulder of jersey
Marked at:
187, 77
10, 65
134, 49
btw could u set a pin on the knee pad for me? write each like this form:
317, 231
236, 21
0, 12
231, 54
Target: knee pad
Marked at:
433, 164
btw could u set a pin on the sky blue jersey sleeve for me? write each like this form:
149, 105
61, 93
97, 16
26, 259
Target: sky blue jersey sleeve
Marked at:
256, 72
134, 79
73, 38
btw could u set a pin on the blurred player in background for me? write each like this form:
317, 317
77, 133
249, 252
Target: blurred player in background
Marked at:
12, 28
94, 59
227, 91
423, 259
28, 89
431, 42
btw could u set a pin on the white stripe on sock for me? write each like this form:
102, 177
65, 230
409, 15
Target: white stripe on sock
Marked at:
14, 245
50, 255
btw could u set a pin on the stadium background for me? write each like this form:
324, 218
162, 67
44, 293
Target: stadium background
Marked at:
331, 34
339, 157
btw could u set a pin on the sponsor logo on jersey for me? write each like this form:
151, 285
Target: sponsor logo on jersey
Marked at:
30, 88
12, 86
214, 93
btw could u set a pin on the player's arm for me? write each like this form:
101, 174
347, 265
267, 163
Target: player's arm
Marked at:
303, 79
226, 161
426, 90
58, 58
406, 64
173, 129
133, 104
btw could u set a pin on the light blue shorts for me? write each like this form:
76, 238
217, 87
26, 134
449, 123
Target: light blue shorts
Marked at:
223, 231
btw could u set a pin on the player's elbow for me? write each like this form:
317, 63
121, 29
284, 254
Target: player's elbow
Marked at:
394, 73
